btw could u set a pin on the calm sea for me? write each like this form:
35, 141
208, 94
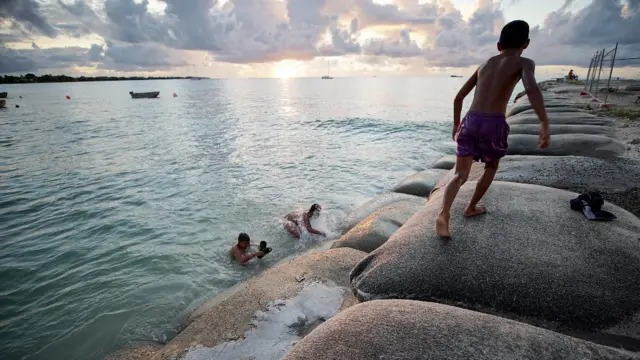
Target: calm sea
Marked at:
116, 214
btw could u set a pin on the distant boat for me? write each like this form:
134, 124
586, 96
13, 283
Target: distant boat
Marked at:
327, 77
144, 95
3, 103
456, 76
3, 95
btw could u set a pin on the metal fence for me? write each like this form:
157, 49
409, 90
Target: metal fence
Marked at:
603, 58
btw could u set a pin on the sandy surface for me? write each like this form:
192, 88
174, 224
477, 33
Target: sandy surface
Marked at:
140, 352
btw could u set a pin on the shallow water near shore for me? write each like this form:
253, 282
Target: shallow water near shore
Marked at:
116, 215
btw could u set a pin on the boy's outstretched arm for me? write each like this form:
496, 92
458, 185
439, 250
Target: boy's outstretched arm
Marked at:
535, 97
457, 102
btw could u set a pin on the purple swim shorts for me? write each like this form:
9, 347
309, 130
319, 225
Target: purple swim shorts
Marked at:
483, 136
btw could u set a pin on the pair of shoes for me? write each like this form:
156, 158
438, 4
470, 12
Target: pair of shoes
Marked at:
591, 206
263, 247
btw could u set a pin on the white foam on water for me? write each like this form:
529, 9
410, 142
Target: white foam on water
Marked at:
276, 329
328, 222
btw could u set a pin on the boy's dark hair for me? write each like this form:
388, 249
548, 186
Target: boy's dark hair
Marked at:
243, 237
314, 208
514, 35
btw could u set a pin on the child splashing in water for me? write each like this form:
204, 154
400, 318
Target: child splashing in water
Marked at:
482, 135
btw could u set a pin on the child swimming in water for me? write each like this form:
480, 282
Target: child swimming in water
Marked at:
482, 134
292, 224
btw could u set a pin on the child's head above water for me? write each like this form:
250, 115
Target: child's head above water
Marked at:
514, 36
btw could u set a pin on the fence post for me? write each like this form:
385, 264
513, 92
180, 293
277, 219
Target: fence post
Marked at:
586, 81
593, 73
613, 61
599, 71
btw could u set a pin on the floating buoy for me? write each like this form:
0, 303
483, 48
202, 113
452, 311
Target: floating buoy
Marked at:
584, 93
68, 97
175, 95
17, 106
20, 96
606, 106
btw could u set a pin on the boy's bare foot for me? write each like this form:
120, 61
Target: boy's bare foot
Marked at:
475, 211
442, 226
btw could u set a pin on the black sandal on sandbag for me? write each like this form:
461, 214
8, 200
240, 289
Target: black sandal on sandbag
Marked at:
590, 204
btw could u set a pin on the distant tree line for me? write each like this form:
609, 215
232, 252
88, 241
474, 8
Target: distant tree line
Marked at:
32, 78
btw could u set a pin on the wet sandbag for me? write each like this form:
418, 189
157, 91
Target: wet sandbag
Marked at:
417, 330
366, 209
376, 229
420, 184
566, 145
559, 129
530, 256
446, 163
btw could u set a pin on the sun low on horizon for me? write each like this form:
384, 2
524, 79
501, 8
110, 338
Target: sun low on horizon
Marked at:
285, 69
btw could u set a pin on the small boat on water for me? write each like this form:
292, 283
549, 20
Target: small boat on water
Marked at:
328, 76
144, 95
3, 95
455, 76
3, 103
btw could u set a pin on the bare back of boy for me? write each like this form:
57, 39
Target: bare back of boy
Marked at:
496, 79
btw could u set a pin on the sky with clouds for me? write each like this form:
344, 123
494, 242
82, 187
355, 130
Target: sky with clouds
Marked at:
282, 38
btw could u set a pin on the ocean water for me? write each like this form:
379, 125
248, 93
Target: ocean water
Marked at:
116, 215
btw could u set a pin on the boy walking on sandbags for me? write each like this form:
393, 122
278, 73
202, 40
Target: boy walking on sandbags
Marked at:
482, 134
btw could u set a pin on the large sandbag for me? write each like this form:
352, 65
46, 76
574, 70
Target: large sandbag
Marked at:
445, 162
366, 209
559, 129
376, 229
416, 330
531, 257
551, 112
520, 107
420, 184
560, 120
566, 145
616, 178
310, 286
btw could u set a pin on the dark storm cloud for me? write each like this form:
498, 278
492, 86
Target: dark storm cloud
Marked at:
131, 22
13, 61
34, 59
9, 38
27, 13
95, 53
137, 57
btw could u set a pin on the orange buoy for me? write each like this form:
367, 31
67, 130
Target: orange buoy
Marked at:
68, 97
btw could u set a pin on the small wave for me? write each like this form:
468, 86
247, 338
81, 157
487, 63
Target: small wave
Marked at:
372, 125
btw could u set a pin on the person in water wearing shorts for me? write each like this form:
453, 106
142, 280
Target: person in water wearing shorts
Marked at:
482, 134
292, 221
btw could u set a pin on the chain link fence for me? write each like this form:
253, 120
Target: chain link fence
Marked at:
604, 61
